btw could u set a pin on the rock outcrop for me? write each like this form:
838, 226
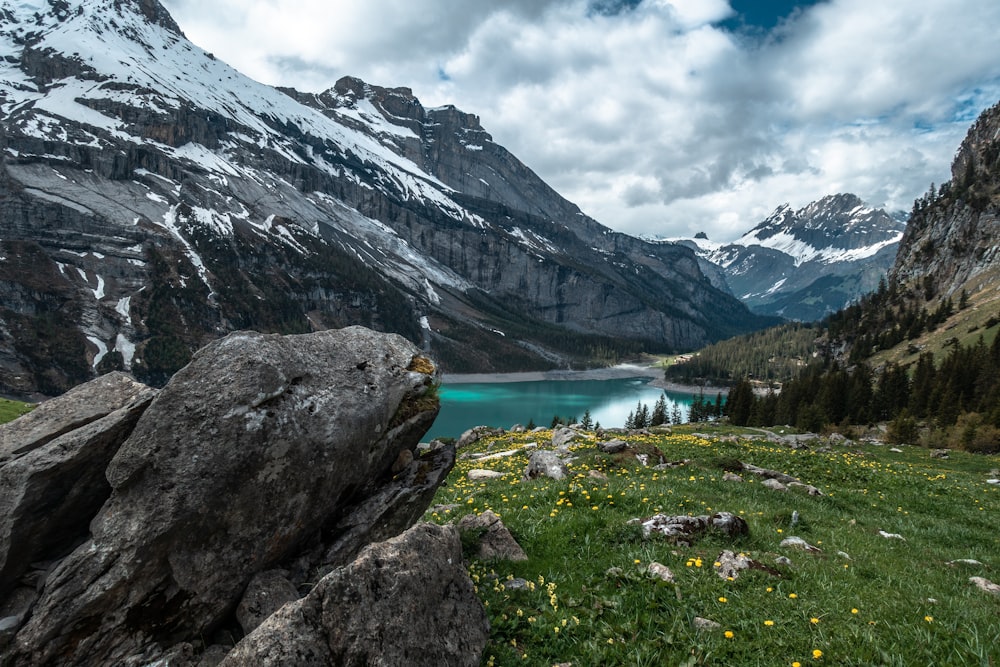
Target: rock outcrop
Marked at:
405, 601
265, 452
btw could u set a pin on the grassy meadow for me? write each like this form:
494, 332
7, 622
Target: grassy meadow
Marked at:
11, 410
587, 597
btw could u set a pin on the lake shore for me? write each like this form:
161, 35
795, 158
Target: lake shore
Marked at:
619, 372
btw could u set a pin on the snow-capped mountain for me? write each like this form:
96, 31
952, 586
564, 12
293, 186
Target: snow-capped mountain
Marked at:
807, 263
152, 198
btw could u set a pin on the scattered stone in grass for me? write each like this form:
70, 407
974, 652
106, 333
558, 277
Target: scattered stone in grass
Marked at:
731, 564
563, 437
964, 561
895, 450
939, 454
670, 465
985, 585
774, 484
783, 560
770, 474
661, 571
614, 573
491, 457
545, 464
475, 433
517, 428
891, 536
643, 459
478, 475
612, 446
993, 481
844, 555
794, 542
795, 518
731, 477
598, 475
495, 541
809, 488
704, 624
684, 529
516, 584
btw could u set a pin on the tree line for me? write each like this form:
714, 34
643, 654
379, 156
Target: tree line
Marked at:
963, 391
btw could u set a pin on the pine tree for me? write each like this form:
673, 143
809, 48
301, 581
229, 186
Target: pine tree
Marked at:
630, 421
659, 416
586, 422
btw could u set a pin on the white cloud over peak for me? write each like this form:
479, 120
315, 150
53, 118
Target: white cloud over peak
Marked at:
649, 115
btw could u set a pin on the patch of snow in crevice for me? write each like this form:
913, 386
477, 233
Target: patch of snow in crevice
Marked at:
432, 295
425, 323
127, 349
124, 308
170, 224
99, 290
102, 349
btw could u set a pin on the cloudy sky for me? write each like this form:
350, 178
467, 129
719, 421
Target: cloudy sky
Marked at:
659, 117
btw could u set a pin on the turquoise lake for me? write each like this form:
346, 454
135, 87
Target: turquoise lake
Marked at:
504, 404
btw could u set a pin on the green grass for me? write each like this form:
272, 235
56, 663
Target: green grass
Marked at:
891, 602
11, 410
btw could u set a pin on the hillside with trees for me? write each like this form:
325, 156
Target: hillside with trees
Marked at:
921, 352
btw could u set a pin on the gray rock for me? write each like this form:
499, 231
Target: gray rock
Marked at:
612, 446
704, 624
242, 457
774, 484
985, 585
267, 593
52, 463
563, 436
808, 488
661, 572
939, 453
731, 477
477, 475
688, 528
545, 464
475, 434
495, 541
793, 542
405, 601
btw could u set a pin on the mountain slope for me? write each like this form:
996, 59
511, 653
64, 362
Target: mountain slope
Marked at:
805, 264
153, 198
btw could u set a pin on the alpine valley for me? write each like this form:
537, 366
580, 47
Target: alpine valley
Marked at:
152, 199
806, 264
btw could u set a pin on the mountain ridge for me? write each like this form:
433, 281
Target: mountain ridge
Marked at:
164, 199
804, 264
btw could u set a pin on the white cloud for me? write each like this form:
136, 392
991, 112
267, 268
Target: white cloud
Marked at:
651, 118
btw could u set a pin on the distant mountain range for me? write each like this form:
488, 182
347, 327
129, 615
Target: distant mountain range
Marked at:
153, 198
805, 264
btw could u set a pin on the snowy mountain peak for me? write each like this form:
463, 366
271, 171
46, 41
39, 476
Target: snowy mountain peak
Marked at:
803, 264
838, 227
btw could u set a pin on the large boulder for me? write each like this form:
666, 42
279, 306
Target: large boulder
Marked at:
52, 463
405, 601
261, 445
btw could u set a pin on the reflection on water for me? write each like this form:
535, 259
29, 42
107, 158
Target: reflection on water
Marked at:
505, 404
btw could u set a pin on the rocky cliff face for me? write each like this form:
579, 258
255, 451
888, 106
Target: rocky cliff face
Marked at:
951, 242
152, 199
808, 263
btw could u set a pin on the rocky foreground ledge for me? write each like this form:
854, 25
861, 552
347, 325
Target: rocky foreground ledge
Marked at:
272, 474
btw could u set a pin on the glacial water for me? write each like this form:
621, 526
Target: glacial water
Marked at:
504, 404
